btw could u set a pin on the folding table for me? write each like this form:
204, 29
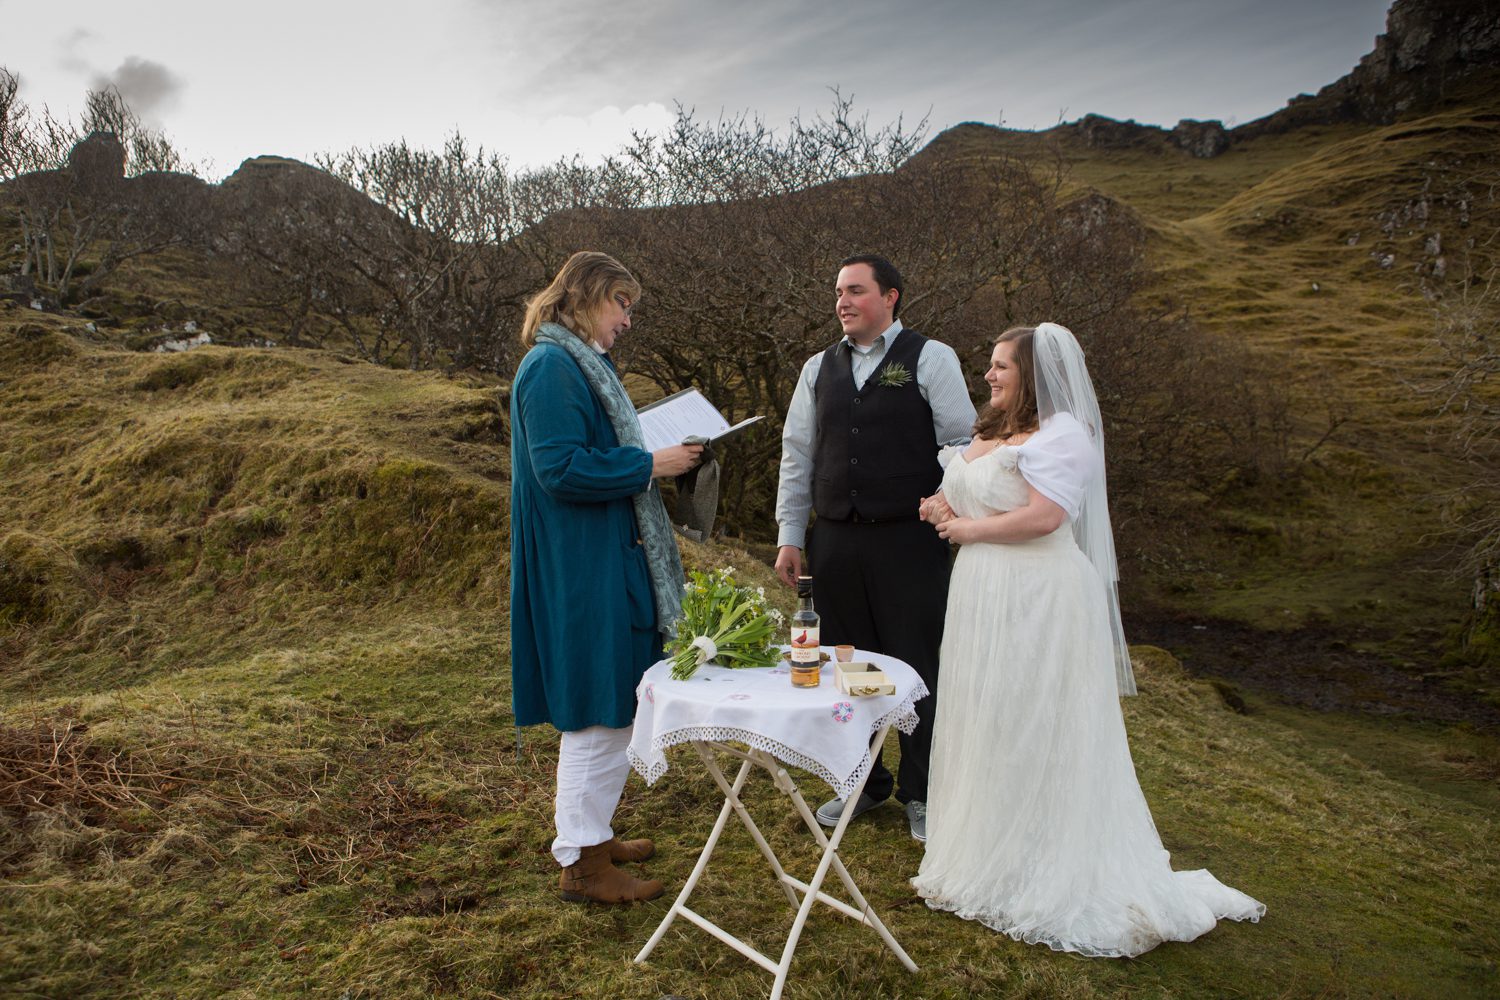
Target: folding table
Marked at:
819, 730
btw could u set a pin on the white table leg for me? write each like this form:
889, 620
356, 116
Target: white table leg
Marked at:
811, 891
731, 795
708, 850
864, 914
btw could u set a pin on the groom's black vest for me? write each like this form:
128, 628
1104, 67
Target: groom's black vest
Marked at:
875, 450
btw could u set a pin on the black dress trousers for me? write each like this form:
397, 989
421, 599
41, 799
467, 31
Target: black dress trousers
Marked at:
883, 587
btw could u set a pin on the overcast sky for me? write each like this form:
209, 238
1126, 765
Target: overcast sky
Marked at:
539, 80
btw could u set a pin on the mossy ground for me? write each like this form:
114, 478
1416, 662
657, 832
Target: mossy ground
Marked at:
350, 815
257, 715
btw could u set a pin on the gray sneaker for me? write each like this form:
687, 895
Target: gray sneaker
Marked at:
829, 812
916, 818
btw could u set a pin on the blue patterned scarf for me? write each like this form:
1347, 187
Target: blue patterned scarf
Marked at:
662, 558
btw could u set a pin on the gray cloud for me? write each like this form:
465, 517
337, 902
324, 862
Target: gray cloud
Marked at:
1154, 60
69, 59
148, 87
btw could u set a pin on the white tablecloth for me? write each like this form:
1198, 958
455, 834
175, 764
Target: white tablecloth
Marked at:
819, 730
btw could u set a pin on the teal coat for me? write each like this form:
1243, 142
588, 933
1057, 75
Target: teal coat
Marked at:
582, 619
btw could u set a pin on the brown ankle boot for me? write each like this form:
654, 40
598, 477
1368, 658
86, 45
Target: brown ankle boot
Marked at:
630, 850
594, 878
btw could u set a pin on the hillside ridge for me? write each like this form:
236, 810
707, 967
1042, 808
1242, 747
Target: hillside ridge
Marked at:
1433, 54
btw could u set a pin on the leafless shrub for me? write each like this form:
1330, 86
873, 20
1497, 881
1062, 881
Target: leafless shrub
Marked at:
285, 227
1467, 338
82, 193
736, 230
739, 272
423, 258
49, 766
431, 262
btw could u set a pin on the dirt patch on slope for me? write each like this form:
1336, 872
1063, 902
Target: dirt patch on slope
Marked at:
1317, 667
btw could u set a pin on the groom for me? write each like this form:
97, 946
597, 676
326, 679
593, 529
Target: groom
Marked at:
860, 450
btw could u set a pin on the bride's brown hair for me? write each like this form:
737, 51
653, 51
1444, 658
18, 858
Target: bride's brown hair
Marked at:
995, 424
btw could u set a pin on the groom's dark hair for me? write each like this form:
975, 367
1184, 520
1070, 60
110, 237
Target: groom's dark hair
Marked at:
886, 275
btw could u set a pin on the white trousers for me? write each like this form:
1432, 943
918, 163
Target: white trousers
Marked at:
591, 772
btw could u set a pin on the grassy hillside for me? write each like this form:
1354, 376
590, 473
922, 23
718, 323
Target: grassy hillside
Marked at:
1331, 250
1279, 242
255, 739
1282, 240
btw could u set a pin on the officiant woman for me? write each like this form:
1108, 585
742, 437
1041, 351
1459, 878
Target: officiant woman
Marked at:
596, 578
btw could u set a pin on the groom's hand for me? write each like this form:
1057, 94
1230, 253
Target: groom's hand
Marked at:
789, 564
934, 509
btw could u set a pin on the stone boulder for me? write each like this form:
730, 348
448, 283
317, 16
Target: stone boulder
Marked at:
1099, 132
98, 161
1204, 140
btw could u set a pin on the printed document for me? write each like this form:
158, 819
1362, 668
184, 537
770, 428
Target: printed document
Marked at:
685, 416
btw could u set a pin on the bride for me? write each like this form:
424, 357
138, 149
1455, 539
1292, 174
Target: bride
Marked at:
1036, 824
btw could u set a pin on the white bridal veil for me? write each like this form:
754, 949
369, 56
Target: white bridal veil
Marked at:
1063, 386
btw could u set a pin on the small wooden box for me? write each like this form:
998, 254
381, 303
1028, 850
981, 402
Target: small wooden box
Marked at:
859, 680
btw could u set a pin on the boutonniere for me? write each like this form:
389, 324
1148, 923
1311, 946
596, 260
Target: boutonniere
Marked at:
894, 375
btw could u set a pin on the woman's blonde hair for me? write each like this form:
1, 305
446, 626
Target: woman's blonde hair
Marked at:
574, 299
996, 424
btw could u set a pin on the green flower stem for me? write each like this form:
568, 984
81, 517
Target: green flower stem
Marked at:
732, 617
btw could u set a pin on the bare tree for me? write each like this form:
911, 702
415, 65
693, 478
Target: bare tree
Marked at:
80, 191
34, 151
15, 128
1468, 342
736, 232
285, 225
429, 260
422, 258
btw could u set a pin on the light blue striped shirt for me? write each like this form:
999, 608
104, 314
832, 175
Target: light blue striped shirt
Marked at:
940, 380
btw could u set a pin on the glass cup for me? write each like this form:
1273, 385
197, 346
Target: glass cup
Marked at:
843, 653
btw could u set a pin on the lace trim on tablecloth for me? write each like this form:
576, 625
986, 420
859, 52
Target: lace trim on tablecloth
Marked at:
903, 716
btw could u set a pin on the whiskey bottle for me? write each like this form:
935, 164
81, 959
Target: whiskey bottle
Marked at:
806, 657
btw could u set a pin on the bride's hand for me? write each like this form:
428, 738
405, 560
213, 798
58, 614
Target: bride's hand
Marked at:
958, 530
934, 509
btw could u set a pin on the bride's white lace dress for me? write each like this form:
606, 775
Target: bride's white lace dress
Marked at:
1036, 823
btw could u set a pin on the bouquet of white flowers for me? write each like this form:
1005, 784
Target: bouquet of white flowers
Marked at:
725, 622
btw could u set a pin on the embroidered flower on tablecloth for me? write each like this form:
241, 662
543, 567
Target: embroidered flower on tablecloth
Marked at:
739, 697
843, 711
649, 693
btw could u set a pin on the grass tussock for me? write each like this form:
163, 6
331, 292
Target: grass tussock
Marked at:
240, 486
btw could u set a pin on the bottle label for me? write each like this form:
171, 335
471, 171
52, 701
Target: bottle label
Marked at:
805, 645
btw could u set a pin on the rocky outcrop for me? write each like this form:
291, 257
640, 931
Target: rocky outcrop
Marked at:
1432, 50
276, 185
1099, 132
1095, 212
1204, 140
98, 161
